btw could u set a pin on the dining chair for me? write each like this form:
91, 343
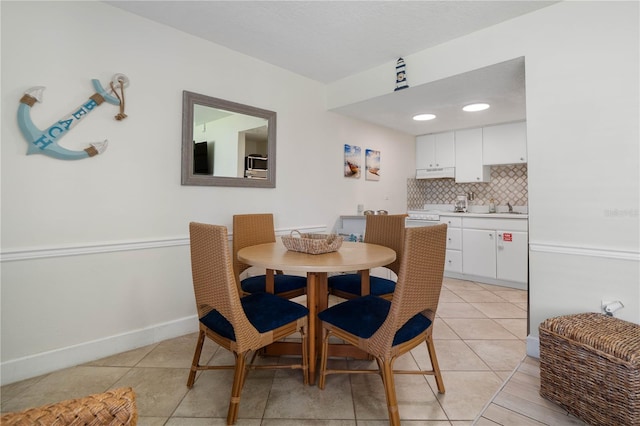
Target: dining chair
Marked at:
239, 325
385, 230
388, 329
251, 230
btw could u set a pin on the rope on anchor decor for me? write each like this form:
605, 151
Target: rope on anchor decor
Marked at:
121, 81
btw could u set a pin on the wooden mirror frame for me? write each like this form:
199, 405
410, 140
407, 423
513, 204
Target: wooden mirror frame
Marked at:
189, 100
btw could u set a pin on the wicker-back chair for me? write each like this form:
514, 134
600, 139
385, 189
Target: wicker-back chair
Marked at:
116, 407
387, 329
253, 229
385, 230
240, 325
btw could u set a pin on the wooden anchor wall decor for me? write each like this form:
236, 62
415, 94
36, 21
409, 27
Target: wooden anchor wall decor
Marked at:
46, 142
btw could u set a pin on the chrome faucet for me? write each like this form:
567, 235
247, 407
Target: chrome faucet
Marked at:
510, 207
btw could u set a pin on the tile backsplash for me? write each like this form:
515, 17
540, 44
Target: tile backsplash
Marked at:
508, 184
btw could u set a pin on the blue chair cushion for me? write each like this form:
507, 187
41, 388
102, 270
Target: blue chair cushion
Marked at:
364, 315
264, 311
350, 283
281, 283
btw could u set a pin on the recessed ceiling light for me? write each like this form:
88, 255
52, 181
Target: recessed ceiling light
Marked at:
475, 107
424, 117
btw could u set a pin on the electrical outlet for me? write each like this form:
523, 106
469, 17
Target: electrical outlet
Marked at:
609, 307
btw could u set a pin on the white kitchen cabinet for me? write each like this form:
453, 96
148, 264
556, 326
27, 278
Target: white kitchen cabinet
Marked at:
479, 252
453, 259
435, 151
468, 157
512, 256
504, 144
495, 249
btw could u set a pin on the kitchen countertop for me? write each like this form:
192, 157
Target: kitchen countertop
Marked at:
519, 212
505, 215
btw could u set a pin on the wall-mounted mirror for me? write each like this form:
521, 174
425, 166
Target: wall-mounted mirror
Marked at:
226, 143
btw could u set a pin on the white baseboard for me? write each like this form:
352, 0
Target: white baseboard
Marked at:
533, 346
46, 362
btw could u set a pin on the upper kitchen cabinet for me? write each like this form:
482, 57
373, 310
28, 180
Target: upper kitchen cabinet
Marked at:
468, 157
505, 144
435, 151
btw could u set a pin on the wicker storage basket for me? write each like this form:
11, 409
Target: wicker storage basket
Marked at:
312, 243
116, 407
590, 365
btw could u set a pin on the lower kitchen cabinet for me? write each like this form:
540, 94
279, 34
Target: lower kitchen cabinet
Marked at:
495, 254
479, 248
495, 249
511, 256
453, 259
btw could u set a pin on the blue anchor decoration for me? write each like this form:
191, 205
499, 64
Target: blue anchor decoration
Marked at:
46, 142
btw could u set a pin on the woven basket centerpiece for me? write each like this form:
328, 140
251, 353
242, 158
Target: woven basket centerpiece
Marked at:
312, 243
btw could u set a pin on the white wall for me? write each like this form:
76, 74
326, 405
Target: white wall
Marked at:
95, 252
581, 61
90, 300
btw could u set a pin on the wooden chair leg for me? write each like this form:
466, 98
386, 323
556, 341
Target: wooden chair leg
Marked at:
434, 363
236, 389
390, 392
196, 359
323, 357
305, 355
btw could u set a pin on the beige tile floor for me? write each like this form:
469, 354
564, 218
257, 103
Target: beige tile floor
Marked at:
479, 336
518, 402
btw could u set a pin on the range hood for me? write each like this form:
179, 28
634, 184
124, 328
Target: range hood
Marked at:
436, 173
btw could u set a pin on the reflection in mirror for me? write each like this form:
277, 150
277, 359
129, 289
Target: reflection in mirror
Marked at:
227, 144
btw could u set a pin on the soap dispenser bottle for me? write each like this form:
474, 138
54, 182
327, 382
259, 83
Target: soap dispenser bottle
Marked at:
492, 206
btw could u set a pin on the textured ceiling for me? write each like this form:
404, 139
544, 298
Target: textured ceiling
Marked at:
501, 85
329, 40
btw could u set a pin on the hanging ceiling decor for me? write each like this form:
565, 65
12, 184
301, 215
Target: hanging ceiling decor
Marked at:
46, 141
401, 75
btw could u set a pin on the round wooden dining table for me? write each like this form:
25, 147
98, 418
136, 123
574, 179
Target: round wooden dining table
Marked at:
350, 256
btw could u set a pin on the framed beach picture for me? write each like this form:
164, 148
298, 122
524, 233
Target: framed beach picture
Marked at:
372, 165
352, 161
